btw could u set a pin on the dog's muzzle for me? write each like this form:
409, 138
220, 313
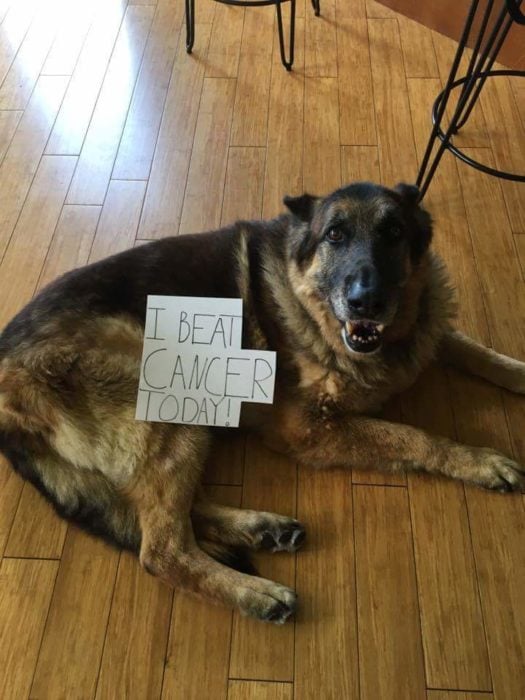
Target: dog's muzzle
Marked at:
363, 336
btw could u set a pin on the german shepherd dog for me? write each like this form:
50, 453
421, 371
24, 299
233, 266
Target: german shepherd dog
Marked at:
344, 288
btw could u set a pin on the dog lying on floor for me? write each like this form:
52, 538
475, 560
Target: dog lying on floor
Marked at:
344, 288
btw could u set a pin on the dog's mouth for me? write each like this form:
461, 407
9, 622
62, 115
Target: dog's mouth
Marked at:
363, 336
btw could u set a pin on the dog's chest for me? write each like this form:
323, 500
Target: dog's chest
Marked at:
334, 393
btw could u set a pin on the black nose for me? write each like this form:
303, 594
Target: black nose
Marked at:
365, 299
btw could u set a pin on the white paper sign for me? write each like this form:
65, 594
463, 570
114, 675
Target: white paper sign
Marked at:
193, 369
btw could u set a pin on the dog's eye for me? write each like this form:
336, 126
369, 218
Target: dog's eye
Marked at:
334, 235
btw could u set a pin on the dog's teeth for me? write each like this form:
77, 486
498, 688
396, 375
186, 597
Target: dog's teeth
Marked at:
381, 327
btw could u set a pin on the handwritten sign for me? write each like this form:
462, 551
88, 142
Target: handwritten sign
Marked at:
193, 369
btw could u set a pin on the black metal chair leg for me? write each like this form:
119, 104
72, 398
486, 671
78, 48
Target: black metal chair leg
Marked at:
190, 24
316, 4
287, 63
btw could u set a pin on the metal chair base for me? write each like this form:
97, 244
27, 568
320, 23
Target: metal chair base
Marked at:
287, 57
479, 69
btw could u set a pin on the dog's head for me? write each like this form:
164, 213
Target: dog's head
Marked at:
357, 248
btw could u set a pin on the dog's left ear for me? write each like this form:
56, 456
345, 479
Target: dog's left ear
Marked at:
302, 207
409, 194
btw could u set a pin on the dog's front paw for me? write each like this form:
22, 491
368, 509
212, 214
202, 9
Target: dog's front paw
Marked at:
492, 470
267, 601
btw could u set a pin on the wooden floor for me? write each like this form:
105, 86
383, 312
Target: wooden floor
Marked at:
110, 134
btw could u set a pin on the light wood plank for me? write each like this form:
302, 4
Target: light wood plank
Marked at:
320, 49
322, 153
394, 129
197, 661
10, 491
75, 113
23, 155
33, 233
202, 202
139, 136
457, 695
390, 652
74, 23
326, 628
18, 84
243, 189
225, 42
445, 203
507, 138
284, 155
496, 259
259, 690
356, 96
99, 150
359, 163
452, 621
69, 658
37, 530
250, 113
169, 170
474, 133
25, 591
133, 659
9, 120
418, 49
266, 652
72, 241
520, 246
119, 218
12, 32
350, 9
376, 10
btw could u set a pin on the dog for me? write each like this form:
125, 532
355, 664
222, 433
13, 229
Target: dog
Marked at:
345, 288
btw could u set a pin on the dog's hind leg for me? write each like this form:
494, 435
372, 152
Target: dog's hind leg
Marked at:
162, 493
246, 528
465, 353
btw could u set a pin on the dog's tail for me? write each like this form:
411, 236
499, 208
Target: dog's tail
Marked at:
465, 353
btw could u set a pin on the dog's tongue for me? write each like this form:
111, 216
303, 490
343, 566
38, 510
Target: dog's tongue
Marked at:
363, 336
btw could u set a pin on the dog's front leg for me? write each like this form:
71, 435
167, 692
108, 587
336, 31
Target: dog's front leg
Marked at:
465, 353
368, 443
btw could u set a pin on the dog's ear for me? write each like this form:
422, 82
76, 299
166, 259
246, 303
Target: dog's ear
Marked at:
409, 197
409, 194
302, 207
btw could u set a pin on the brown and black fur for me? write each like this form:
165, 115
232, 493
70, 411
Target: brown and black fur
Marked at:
69, 365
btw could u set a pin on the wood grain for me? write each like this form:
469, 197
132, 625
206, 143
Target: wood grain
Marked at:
387, 603
196, 664
137, 634
202, 207
243, 189
73, 119
26, 587
33, 232
69, 658
100, 147
326, 627
394, 130
259, 690
169, 170
356, 98
23, 155
258, 651
139, 136
250, 113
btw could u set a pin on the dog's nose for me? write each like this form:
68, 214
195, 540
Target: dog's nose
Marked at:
364, 298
